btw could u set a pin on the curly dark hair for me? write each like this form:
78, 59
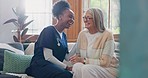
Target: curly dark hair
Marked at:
59, 7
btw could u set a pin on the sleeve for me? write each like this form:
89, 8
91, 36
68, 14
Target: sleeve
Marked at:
109, 46
78, 44
46, 37
75, 49
49, 56
92, 61
71, 53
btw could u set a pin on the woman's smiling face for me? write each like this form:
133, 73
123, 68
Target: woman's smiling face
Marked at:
88, 20
67, 18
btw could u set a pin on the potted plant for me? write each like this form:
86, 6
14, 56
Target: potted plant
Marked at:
21, 24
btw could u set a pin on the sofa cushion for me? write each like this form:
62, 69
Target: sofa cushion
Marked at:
15, 63
15, 47
8, 76
29, 50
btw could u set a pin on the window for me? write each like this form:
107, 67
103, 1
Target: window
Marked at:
114, 16
41, 12
110, 10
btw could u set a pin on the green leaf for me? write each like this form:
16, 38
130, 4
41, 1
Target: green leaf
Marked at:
9, 21
16, 24
21, 20
15, 12
28, 38
26, 24
24, 32
15, 39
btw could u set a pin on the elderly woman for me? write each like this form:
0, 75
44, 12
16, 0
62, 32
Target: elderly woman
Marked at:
95, 49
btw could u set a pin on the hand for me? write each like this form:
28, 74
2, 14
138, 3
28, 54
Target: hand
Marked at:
74, 59
68, 68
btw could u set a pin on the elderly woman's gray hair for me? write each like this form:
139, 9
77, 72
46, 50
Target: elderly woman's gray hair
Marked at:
97, 18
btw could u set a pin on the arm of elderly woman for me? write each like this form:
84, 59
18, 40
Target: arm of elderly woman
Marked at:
103, 61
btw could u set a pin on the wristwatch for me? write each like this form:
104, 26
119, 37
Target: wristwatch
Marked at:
84, 62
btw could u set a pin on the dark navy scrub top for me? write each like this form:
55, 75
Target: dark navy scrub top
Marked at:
50, 38
41, 68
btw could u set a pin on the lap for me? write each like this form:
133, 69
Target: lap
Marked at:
47, 69
90, 70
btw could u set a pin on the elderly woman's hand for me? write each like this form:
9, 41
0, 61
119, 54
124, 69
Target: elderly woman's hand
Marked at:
69, 68
74, 59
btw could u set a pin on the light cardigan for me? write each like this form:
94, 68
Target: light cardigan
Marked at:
99, 44
100, 41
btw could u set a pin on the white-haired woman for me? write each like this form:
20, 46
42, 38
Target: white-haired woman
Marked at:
95, 49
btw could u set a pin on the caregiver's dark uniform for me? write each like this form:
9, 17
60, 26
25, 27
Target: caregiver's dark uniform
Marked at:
41, 68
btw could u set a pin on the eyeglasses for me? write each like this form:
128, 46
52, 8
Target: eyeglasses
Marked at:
87, 18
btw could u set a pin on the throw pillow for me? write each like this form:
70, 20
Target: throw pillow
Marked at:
15, 47
15, 63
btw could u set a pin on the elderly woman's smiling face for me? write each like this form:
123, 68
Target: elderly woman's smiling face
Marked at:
88, 20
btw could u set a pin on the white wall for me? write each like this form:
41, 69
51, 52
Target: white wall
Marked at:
5, 14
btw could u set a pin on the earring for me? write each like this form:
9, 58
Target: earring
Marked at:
60, 18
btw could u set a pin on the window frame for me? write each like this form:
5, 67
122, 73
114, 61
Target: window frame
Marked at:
72, 33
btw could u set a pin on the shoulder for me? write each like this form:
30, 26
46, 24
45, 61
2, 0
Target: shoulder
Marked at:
83, 32
108, 32
48, 29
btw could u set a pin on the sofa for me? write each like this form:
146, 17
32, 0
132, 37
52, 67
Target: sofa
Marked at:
16, 57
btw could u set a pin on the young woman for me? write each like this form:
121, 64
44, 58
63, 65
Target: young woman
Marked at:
51, 46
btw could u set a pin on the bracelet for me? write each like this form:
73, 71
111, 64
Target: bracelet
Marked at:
66, 68
84, 62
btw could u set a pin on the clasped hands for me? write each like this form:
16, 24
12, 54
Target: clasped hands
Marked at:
76, 58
